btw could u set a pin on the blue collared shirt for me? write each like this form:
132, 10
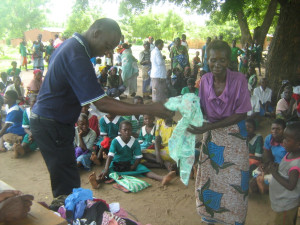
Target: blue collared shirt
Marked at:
70, 82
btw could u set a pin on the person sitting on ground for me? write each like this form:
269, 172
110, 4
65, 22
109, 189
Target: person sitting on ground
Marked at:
160, 156
252, 78
285, 185
109, 129
14, 206
147, 133
255, 145
190, 88
102, 78
286, 107
28, 143
114, 83
36, 83
13, 121
97, 66
177, 80
254, 112
264, 95
274, 152
93, 120
137, 121
18, 88
196, 64
4, 82
14, 71
83, 142
124, 157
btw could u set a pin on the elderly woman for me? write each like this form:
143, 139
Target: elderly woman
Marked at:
179, 55
130, 71
223, 172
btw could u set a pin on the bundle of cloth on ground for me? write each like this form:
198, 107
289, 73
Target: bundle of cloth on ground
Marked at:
82, 209
182, 143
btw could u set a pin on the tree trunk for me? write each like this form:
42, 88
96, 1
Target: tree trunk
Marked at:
284, 55
261, 32
245, 32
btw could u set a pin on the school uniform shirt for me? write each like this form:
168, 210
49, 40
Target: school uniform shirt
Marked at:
281, 198
70, 82
255, 147
263, 95
278, 151
88, 139
110, 128
136, 123
186, 90
14, 117
123, 152
146, 139
26, 120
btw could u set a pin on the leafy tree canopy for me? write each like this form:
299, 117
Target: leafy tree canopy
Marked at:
18, 16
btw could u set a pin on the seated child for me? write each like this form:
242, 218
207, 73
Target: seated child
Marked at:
137, 121
14, 71
196, 64
124, 157
36, 83
93, 120
109, 129
273, 154
177, 80
254, 104
255, 145
160, 156
102, 78
114, 83
28, 143
286, 107
285, 184
190, 87
147, 133
83, 142
264, 95
172, 92
187, 74
252, 78
13, 121
17, 87
97, 66
4, 82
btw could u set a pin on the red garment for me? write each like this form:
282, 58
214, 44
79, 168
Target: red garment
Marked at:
106, 142
93, 123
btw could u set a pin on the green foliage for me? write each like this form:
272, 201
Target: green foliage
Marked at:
18, 16
163, 26
83, 15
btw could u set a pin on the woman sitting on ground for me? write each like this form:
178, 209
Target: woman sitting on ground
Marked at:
18, 88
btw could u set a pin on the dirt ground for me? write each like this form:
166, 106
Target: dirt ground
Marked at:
156, 205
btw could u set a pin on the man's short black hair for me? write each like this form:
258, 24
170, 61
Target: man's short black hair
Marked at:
12, 94
106, 24
158, 42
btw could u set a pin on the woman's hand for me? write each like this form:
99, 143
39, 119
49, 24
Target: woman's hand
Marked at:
199, 130
103, 174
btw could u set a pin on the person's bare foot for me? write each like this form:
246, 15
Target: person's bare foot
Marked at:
18, 150
95, 159
168, 178
93, 181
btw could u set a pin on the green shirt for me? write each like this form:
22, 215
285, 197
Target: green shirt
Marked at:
23, 50
136, 124
235, 52
17, 72
186, 90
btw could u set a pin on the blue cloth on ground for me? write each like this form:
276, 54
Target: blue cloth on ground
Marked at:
79, 210
182, 143
79, 194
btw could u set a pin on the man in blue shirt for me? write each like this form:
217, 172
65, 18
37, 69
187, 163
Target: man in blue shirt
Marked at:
69, 84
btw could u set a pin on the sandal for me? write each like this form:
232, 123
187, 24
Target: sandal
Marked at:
121, 188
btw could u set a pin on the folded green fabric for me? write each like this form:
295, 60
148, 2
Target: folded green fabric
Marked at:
132, 184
